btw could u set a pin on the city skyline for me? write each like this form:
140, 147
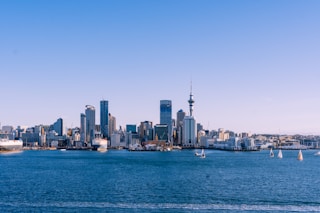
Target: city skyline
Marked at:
254, 65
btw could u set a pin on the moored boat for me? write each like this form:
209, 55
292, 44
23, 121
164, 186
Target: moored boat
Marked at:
10, 145
100, 143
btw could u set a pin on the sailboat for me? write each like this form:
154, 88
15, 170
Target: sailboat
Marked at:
271, 153
203, 155
280, 154
300, 157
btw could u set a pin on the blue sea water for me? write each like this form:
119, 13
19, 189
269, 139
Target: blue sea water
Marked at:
177, 181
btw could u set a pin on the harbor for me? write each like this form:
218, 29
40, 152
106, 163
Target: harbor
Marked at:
167, 181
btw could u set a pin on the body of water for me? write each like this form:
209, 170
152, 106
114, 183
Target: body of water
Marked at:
177, 181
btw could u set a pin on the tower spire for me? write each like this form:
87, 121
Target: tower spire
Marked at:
191, 101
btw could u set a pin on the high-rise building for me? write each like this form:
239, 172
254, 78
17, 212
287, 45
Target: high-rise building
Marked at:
166, 115
189, 125
199, 127
189, 131
83, 127
112, 124
131, 128
90, 122
58, 127
161, 132
104, 118
180, 116
146, 131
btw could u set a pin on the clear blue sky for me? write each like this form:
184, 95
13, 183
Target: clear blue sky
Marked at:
254, 65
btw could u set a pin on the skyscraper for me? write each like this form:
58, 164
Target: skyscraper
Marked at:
83, 127
90, 122
112, 124
180, 116
166, 115
104, 118
58, 127
146, 131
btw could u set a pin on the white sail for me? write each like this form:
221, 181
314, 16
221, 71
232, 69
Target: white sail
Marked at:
203, 155
300, 157
271, 153
280, 154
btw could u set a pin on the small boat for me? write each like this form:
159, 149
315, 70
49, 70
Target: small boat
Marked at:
300, 157
317, 153
202, 155
271, 153
197, 154
280, 154
102, 149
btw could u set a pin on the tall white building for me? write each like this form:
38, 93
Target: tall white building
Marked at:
189, 131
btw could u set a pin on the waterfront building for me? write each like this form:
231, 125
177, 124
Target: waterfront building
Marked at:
104, 118
7, 129
58, 127
131, 139
115, 140
166, 115
76, 134
223, 135
19, 131
161, 132
249, 143
180, 116
200, 134
199, 127
83, 127
90, 123
112, 124
131, 128
31, 137
189, 131
118, 139
204, 141
146, 131
245, 135
234, 143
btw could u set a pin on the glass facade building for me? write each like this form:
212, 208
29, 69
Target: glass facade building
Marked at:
104, 118
161, 132
90, 122
166, 115
83, 127
131, 128
58, 127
